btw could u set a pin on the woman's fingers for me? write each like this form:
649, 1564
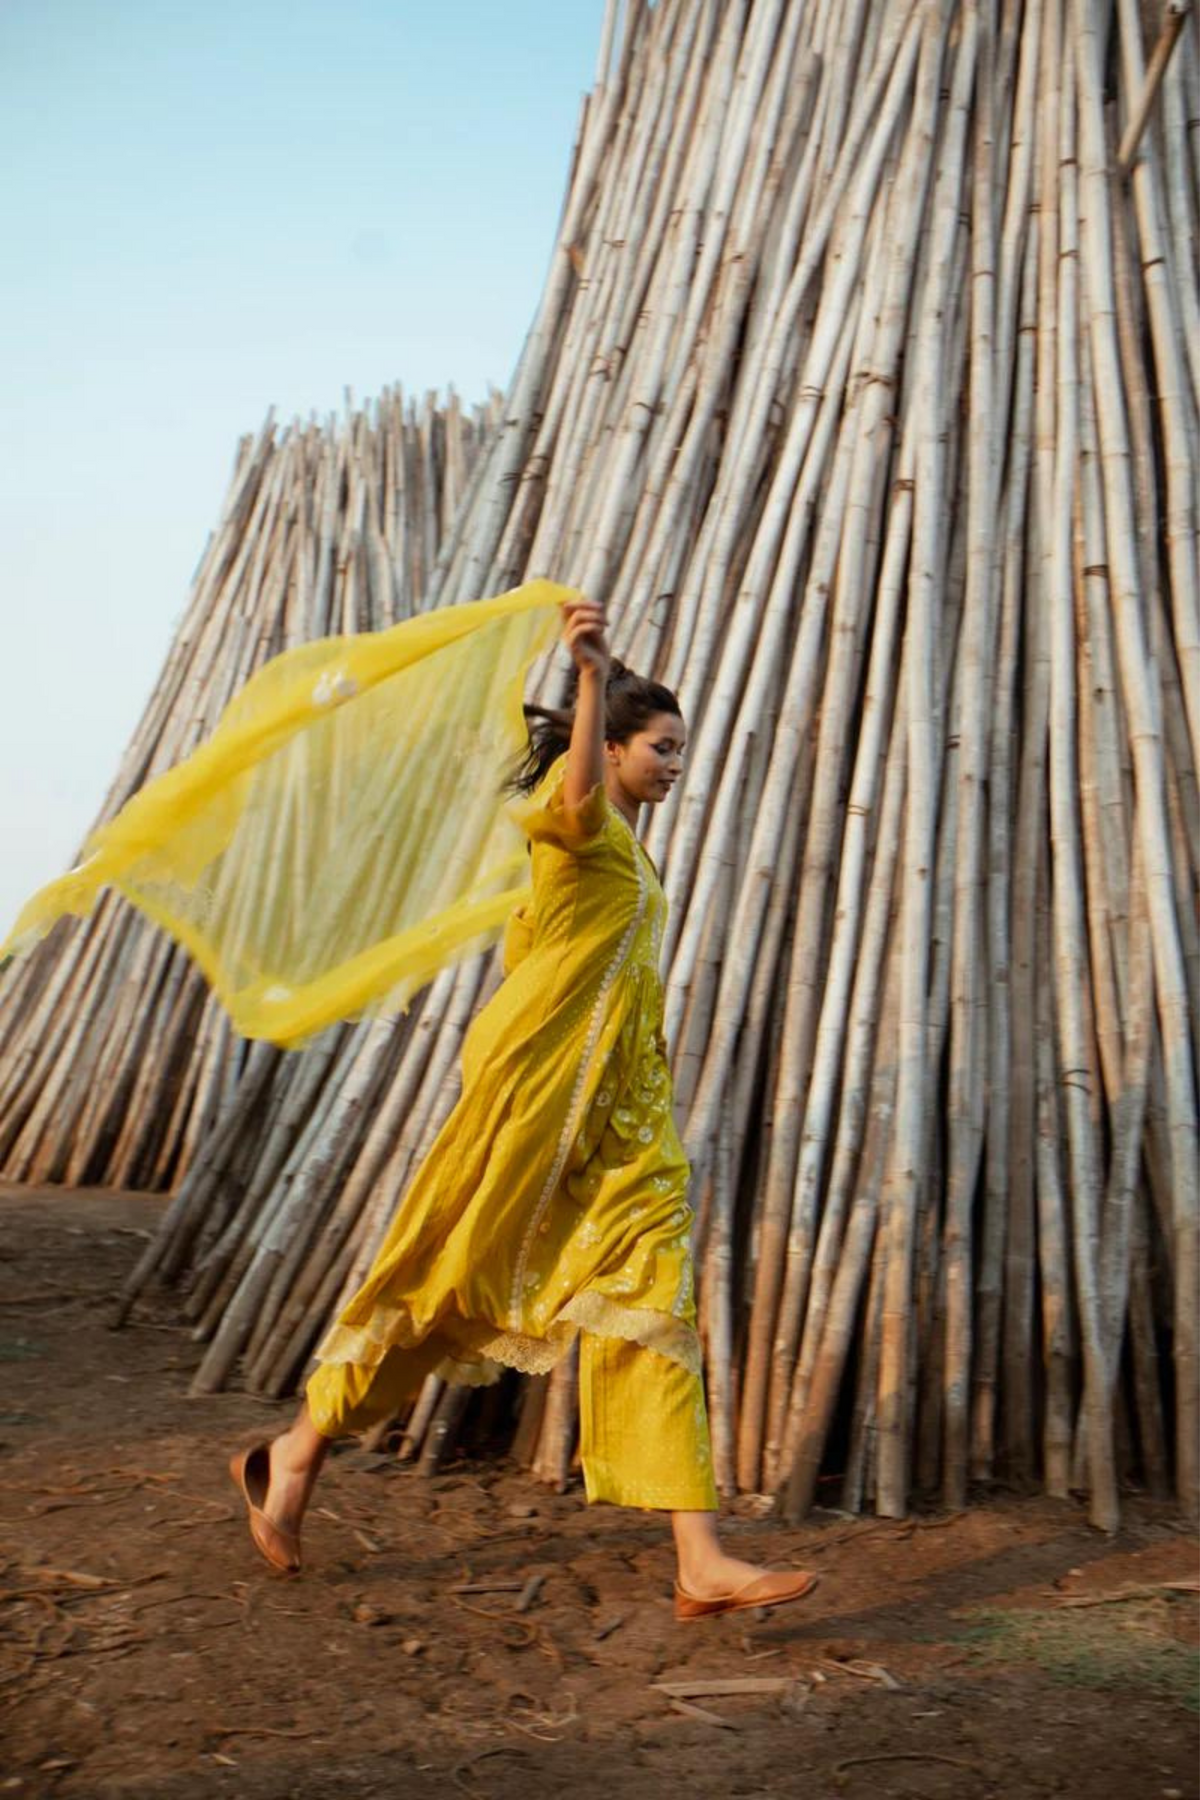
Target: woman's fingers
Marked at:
587, 615
584, 631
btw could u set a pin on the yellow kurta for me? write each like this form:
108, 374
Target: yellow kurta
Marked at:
554, 1197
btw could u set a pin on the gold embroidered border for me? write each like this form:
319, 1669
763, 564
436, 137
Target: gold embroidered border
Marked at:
366, 1346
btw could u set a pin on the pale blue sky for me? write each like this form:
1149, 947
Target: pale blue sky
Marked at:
212, 207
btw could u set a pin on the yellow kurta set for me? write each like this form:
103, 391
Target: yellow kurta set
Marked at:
553, 1201
338, 840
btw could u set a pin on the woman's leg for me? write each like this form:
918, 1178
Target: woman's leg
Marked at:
341, 1400
644, 1443
705, 1569
295, 1459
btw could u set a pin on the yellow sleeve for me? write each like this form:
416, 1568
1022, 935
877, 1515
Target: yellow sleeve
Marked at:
545, 817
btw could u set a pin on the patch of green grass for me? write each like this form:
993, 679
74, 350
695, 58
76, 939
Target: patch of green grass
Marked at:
1094, 1647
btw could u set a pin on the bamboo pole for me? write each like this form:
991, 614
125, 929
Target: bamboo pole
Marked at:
1057, 1313
903, 1176
1173, 23
968, 1071
1072, 983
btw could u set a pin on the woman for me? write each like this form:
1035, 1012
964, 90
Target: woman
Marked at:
553, 1202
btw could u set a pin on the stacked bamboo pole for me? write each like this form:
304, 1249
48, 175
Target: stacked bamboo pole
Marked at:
115, 1064
864, 390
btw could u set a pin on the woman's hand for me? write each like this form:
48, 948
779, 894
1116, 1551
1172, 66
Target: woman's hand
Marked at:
583, 634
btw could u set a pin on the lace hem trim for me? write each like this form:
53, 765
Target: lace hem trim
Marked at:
529, 1355
639, 1324
366, 1346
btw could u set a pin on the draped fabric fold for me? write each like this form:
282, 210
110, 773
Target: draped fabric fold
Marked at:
342, 835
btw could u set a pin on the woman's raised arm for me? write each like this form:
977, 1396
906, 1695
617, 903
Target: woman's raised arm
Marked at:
584, 637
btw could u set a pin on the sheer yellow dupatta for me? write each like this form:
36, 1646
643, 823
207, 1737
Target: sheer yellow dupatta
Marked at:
342, 835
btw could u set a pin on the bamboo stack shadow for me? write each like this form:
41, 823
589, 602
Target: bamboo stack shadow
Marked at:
865, 390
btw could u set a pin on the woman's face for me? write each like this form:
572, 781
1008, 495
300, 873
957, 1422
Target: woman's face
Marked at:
649, 763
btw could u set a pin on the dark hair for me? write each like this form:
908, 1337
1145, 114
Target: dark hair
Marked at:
630, 702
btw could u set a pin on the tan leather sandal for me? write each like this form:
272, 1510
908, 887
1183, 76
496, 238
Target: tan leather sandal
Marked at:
771, 1589
251, 1470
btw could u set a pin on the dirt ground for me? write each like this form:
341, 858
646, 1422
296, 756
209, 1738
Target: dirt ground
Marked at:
1002, 1652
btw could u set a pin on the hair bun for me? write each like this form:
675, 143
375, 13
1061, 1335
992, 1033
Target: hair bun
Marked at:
619, 676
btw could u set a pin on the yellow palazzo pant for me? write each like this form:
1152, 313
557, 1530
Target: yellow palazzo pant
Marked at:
643, 1423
